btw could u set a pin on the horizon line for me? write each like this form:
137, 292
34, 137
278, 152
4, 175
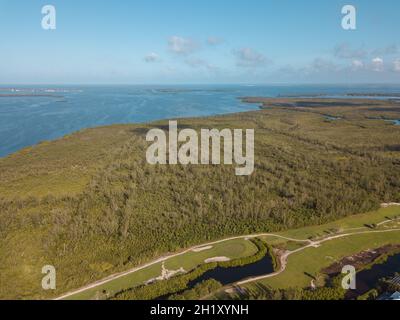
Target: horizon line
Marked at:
203, 84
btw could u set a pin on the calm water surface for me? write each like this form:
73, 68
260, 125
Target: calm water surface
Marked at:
234, 274
26, 120
368, 279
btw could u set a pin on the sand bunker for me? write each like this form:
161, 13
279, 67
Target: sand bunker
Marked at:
217, 259
202, 249
386, 205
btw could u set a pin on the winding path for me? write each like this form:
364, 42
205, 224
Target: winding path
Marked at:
164, 258
314, 244
283, 258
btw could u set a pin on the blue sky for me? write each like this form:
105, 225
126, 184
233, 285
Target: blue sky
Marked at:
199, 41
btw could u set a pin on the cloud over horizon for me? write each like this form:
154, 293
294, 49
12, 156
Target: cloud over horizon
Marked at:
377, 64
396, 65
182, 46
249, 58
128, 42
152, 57
214, 41
345, 51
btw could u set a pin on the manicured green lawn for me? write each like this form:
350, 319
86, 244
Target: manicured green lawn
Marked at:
232, 249
309, 261
312, 260
356, 221
125, 282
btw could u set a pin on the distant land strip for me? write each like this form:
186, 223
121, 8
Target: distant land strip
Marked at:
30, 95
350, 94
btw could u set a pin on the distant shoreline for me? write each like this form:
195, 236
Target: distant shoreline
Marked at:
123, 113
386, 96
30, 96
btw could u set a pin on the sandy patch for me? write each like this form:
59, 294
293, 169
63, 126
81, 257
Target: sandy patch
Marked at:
202, 249
217, 259
165, 274
386, 205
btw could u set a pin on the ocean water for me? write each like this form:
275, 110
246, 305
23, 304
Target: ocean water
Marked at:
30, 114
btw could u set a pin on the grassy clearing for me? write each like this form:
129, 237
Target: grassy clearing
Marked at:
344, 225
349, 224
123, 283
232, 249
312, 260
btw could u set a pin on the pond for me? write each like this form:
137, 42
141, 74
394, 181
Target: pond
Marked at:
395, 122
392, 121
332, 118
368, 279
231, 275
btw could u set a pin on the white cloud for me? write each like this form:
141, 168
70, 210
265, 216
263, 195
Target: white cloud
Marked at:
151, 57
396, 65
389, 50
345, 51
357, 64
181, 45
247, 57
213, 41
195, 63
377, 64
322, 65
200, 63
